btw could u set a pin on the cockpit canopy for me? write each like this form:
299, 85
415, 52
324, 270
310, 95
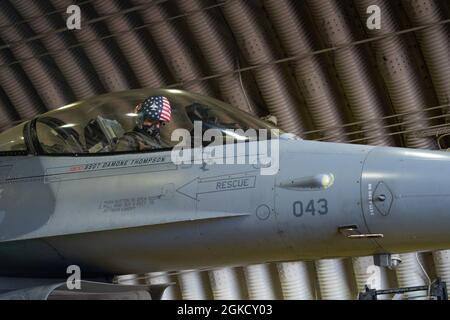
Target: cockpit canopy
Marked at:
96, 125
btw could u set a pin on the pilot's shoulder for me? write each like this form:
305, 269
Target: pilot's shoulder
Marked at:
136, 135
129, 138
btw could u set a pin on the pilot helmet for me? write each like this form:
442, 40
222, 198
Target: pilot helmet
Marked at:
156, 109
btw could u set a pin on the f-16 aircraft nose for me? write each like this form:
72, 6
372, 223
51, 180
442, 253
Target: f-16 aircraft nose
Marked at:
406, 197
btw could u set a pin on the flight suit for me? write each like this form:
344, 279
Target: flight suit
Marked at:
137, 140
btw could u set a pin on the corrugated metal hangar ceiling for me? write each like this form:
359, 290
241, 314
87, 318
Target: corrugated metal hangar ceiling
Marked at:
313, 64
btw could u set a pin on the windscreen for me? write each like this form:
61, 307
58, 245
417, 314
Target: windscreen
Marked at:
13, 140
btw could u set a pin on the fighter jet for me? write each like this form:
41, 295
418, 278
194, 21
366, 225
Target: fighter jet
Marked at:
69, 198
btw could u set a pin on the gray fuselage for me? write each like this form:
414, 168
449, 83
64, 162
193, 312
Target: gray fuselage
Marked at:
133, 213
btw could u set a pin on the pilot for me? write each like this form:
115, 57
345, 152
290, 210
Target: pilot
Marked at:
151, 114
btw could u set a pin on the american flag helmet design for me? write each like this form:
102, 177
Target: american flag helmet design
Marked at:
154, 108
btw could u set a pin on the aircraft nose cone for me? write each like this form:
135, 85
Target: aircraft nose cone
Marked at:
406, 196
